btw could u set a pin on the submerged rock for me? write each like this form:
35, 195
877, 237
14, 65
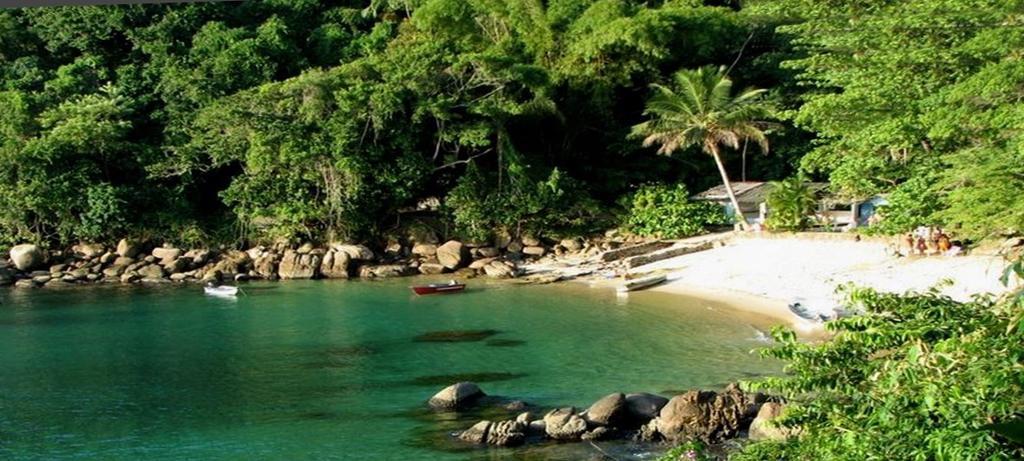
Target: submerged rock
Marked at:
477, 433
456, 397
483, 377
455, 336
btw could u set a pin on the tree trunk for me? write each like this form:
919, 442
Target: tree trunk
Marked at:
728, 190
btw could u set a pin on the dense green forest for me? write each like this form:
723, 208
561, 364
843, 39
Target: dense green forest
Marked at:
248, 121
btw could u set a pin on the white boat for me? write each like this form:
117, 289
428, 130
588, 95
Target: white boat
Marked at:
641, 283
221, 290
816, 310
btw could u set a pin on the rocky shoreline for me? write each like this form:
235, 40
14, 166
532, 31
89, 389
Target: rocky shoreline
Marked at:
712, 417
136, 261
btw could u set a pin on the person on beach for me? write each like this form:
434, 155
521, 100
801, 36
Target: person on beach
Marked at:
908, 241
943, 242
922, 247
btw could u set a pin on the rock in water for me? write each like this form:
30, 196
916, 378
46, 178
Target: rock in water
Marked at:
477, 433
453, 254
564, 424
704, 415
643, 407
610, 410
298, 266
456, 397
27, 256
507, 433
761, 429
335, 265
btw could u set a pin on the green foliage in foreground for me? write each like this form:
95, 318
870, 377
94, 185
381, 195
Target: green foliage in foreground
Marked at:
667, 212
917, 376
791, 202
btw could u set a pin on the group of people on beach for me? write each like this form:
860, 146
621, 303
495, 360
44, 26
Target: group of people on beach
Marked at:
927, 240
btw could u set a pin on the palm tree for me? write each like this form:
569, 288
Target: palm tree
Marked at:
701, 110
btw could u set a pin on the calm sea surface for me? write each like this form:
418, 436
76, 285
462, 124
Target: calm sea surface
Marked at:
336, 370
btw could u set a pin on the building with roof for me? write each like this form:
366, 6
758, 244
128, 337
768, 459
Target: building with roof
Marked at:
752, 197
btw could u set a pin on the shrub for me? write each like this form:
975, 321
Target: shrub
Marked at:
667, 212
916, 376
105, 215
790, 204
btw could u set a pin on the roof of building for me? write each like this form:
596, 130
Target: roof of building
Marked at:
753, 192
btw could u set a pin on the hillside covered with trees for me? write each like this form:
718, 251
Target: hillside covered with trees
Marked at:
252, 121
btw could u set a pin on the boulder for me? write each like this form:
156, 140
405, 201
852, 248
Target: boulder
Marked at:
597, 433
500, 269
115, 270
295, 265
199, 257
27, 256
58, 268
762, 429
304, 249
705, 415
355, 252
488, 252
108, 257
514, 247
610, 410
129, 277
502, 238
480, 263
394, 249
507, 433
177, 265
266, 266
571, 244
424, 249
535, 251
123, 261
181, 276
476, 434
151, 271
431, 268
41, 279
233, 262
165, 253
386, 271
335, 265
453, 254
456, 397
25, 283
643, 407
128, 248
530, 241
88, 250
79, 274
564, 424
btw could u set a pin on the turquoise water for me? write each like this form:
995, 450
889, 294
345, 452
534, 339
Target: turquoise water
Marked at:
333, 370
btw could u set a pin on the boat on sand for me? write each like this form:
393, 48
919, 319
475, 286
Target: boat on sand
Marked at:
641, 283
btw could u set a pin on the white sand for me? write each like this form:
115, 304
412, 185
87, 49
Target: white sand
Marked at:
782, 270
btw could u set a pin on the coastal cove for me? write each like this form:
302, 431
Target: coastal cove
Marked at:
339, 369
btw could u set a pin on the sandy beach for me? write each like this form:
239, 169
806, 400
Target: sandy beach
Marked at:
767, 274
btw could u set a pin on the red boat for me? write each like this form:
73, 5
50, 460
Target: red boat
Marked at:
438, 288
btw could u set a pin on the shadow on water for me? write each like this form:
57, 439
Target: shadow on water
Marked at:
505, 342
454, 336
482, 377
